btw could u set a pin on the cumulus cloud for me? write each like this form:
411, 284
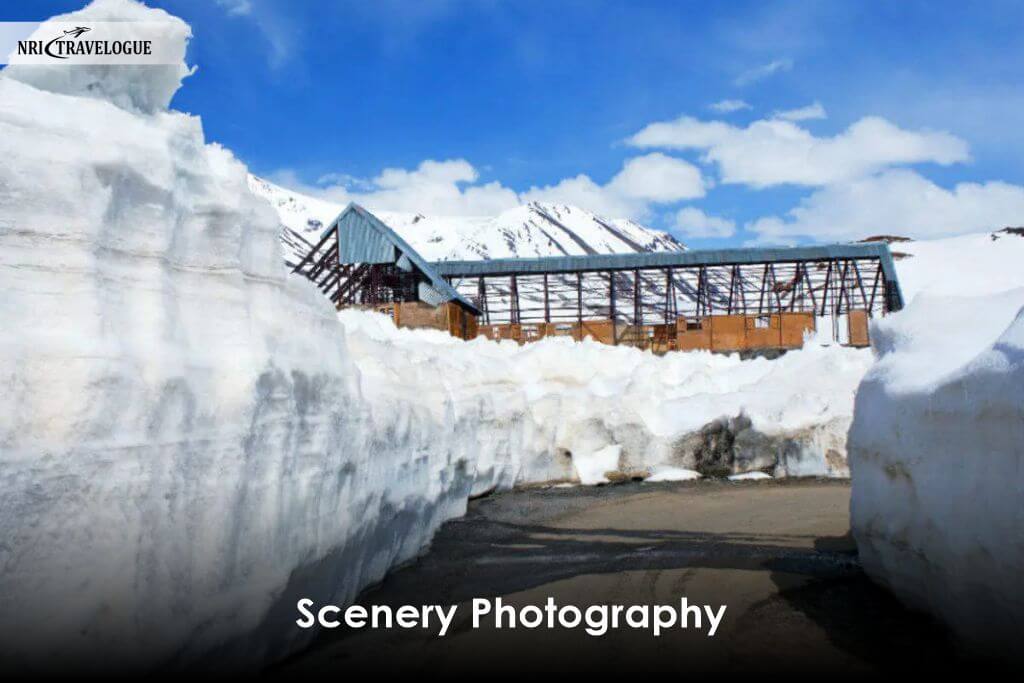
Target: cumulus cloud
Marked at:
775, 151
440, 187
650, 179
899, 202
759, 73
811, 111
692, 222
451, 187
728, 106
658, 178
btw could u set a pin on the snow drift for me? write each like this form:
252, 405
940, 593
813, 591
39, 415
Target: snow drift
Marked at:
190, 441
937, 459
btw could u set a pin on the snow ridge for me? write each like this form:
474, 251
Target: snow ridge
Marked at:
527, 231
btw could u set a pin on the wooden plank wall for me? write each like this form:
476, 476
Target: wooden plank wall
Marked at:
724, 333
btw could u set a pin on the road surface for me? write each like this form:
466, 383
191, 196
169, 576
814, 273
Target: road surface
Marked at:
778, 554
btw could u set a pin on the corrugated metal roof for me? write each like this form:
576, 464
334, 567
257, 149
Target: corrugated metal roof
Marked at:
364, 238
706, 257
360, 241
660, 259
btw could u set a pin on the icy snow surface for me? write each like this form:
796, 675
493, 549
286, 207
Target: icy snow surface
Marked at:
669, 473
190, 440
937, 460
749, 476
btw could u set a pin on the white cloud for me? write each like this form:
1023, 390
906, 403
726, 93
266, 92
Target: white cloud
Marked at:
653, 178
236, 7
437, 187
763, 71
451, 187
650, 179
583, 192
275, 24
811, 111
693, 222
773, 151
899, 202
658, 178
728, 106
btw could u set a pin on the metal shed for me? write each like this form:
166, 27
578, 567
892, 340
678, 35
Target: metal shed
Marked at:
361, 261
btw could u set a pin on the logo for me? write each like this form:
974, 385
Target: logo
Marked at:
68, 44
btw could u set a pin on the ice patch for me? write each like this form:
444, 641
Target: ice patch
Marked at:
665, 473
593, 467
750, 476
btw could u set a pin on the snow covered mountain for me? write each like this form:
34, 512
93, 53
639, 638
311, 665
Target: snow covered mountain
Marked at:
530, 230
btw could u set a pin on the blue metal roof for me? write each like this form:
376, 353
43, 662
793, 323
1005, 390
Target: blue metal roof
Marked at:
364, 238
661, 259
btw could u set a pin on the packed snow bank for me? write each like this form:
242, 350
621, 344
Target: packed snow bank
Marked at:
140, 88
937, 459
616, 412
190, 441
183, 443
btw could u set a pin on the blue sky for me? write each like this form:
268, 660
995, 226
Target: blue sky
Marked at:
847, 118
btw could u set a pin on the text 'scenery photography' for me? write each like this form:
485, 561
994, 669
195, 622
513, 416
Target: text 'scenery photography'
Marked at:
500, 337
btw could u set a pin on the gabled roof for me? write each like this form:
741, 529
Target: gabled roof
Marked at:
364, 238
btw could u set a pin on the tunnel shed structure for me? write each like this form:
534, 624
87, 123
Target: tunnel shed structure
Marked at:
722, 299
745, 299
360, 262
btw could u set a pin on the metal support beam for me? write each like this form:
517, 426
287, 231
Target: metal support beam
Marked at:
579, 304
638, 314
547, 301
515, 300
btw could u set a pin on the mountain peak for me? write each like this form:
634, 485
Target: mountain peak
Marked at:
530, 230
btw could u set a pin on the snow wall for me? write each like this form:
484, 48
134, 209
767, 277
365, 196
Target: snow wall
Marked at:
190, 440
937, 459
